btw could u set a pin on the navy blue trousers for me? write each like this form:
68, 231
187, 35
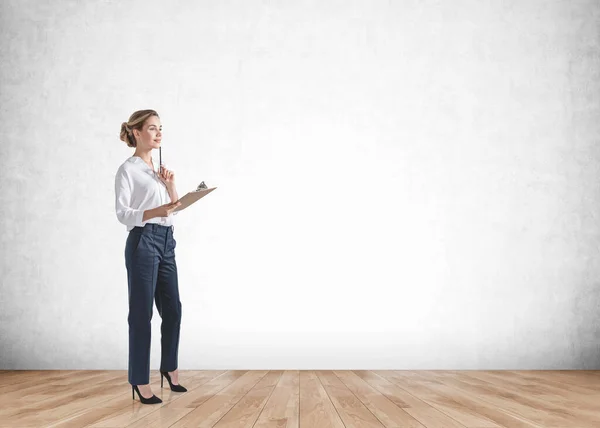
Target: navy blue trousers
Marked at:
152, 277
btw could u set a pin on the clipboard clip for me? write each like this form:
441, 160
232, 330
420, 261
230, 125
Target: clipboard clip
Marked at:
201, 186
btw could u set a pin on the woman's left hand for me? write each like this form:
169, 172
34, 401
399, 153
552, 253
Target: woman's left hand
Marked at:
166, 176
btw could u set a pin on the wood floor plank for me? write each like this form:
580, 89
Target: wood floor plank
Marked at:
197, 396
246, 411
15, 377
307, 399
210, 411
386, 411
117, 409
83, 395
92, 416
316, 407
573, 378
465, 415
510, 402
282, 410
55, 385
570, 407
163, 417
125, 411
470, 401
468, 417
393, 392
17, 382
352, 411
549, 379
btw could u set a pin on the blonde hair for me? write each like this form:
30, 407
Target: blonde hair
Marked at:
136, 121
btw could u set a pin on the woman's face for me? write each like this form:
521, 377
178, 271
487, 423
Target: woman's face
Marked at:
150, 135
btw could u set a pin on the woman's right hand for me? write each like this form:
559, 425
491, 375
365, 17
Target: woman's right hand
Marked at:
166, 209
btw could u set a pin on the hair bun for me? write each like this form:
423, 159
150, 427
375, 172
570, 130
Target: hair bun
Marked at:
125, 130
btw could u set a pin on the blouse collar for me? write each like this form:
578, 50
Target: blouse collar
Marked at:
137, 159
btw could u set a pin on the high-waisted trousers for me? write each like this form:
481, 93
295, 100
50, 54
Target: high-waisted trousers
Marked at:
152, 277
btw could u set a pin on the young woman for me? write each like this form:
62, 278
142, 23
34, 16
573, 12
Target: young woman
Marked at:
145, 200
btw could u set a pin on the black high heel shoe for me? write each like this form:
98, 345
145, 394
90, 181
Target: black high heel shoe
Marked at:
152, 400
176, 388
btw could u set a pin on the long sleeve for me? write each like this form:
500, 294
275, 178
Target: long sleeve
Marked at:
174, 200
126, 215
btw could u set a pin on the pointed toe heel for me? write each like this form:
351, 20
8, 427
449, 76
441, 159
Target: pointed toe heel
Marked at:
176, 388
152, 400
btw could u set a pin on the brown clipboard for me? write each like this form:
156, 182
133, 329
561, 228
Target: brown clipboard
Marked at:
191, 197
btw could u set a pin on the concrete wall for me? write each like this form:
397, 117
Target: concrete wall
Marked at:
401, 184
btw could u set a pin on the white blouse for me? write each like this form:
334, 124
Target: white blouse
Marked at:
137, 189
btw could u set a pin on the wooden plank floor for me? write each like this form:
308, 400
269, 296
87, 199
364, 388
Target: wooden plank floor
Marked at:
307, 399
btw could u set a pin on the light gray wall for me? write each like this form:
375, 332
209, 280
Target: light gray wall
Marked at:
402, 184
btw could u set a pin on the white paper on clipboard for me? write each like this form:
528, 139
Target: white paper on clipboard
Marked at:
191, 197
